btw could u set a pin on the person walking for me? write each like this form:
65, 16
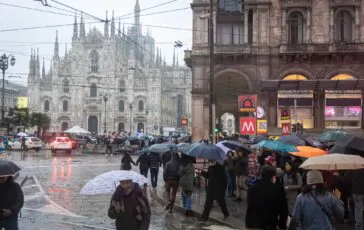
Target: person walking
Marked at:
216, 187
315, 207
129, 207
267, 203
126, 162
241, 170
11, 201
292, 182
171, 178
154, 162
143, 164
108, 145
231, 174
357, 189
187, 173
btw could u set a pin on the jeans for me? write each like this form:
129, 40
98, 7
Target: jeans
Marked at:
144, 172
171, 191
359, 208
11, 224
187, 199
154, 176
231, 183
209, 203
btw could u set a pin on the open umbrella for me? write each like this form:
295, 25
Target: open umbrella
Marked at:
311, 141
223, 147
277, 146
334, 162
8, 168
21, 134
292, 140
206, 151
182, 146
332, 135
162, 148
257, 139
234, 145
141, 152
106, 182
308, 152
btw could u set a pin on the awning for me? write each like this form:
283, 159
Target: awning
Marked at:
275, 85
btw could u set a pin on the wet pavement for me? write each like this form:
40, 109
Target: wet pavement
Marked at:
52, 199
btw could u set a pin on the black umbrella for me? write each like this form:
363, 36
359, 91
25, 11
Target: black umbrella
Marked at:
257, 139
311, 141
8, 168
233, 145
349, 145
292, 140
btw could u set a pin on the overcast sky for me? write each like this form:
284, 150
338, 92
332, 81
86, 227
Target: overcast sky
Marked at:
21, 41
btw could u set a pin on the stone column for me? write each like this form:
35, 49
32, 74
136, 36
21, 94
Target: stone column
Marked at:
246, 13
284, 33
271, 108
332, 37
357, 25
255, 27
319, 109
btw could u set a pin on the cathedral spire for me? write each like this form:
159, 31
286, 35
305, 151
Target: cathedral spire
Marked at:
177, 61
31, 63
75, 29
56, 47
38, 64
106, 27
137, 16
124, 30
43, 69
82, 28
160, 57
113, 28
65, 51
157, 57
174, 57
119, 30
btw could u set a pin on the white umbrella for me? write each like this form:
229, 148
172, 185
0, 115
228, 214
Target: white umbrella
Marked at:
21, 134
334, 162
106, 183
77, 130
223, 147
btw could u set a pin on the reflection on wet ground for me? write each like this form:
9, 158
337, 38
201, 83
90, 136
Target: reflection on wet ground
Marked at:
52, 199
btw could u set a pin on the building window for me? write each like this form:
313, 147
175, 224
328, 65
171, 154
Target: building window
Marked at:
121, 127
230, 6
121, 106
94, 57
140, 106
66, 86
344, 26
250, 26
230, 123
65, 106
228, 34
295, 28
140, 128
46, 106
93, 90
122, 86
64, 126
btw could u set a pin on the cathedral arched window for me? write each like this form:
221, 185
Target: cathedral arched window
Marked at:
66, 86
94, 57
121, 106
230, 123
122, 86
65, 106
93, 90
46, 106
141, 106
344, 24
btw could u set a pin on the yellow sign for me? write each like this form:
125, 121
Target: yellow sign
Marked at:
22, 102
262, 126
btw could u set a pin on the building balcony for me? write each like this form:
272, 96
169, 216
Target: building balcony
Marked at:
294, 48
187, 58
296, 3
93, 100
232, 49
337, 3
347, 47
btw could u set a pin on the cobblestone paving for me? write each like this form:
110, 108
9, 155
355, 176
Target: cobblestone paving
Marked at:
52, 199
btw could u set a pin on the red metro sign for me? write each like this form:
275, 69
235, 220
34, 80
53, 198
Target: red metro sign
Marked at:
248, 125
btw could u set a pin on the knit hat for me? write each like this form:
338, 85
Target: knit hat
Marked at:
314, 177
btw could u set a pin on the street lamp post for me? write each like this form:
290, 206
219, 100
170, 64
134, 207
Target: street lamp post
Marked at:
146, 122
130, 108
105, 96
4, 65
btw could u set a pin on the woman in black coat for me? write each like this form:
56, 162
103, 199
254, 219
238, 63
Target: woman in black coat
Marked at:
216, 187
126, 162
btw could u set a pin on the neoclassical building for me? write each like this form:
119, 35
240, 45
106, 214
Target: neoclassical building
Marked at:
305, 54
110, 81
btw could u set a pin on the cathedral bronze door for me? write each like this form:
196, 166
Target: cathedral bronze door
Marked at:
64, 126
93, 124
140, 127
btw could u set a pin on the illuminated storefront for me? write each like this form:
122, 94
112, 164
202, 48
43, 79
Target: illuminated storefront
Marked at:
343, 108
300, 103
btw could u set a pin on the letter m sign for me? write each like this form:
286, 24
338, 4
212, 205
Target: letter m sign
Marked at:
248, 125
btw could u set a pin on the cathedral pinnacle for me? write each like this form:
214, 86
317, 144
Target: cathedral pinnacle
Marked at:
106, 27
119, 30
75, 29
113, 28
43, 69
56, 46
82, 28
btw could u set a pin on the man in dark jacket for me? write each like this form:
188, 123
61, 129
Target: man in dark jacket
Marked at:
130, 207
11, 201
357, 189
267, 203
241, 170
154, 162
216, 187
143, 164
167, 156
171, 179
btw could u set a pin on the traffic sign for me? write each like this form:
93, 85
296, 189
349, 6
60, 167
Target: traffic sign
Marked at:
155, 126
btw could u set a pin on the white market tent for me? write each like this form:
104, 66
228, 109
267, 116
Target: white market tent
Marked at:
77, 130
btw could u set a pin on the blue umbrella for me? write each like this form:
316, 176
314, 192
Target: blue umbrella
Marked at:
206, 151
334, 135
162, 148
141, 152
182, 146
277, 146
